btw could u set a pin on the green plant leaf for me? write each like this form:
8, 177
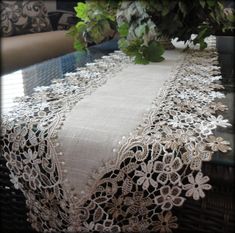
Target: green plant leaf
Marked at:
202, 3
133, 47
211, 3
153, 52
139, 59
183, 8
203, 45
81, 11
96, 34
165, 11
157, 5
123, 44
72, 31
231, 18
107, 30
201, 36
80, 26
79, 46
123, 29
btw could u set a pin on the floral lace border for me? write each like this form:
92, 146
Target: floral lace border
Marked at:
156, 168
29, 138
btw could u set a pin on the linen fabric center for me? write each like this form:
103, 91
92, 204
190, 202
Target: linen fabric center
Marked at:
156, 168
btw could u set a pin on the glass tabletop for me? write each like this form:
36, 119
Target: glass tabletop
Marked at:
23, 82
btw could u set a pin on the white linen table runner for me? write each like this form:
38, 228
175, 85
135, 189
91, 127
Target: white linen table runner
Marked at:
97, 123
115, 146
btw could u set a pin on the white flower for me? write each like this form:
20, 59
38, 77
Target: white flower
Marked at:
13, 162
146, 175
14, 179
32, 177
183, 95
218, 144
168, 169
205, 128
196, 186
169, 197
216, 94
195, 154
187, 118
18, 137
219, 121
30, 156
215, 78
176, 122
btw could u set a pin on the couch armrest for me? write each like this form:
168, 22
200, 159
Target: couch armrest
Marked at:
24, 50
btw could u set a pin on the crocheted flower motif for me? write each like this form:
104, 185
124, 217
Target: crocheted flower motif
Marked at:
181, 120
184, 135
216, 94
196, 186
195, 154
166, 222
219, 121
136, 225
14, 179
115, 208
18, 137
217, 144
31, 175
31, 157
176, 122
146, 175
13, 163
107, 226
88, 227
204, 128
171, 141
169, 197
137, 204
168, 169
218, 106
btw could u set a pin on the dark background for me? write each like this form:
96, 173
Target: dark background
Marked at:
66, 5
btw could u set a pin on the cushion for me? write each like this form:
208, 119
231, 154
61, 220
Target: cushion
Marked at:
21, 17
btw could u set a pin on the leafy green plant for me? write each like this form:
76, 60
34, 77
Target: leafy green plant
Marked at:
96, 23
181, 19
141, 24
138, 33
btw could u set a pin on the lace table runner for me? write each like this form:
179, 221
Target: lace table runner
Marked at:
151, 170
97, 123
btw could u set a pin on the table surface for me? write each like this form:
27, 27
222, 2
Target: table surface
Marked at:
23, 82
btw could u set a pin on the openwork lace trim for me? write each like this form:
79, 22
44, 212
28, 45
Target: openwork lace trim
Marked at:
156, 168
29, 139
